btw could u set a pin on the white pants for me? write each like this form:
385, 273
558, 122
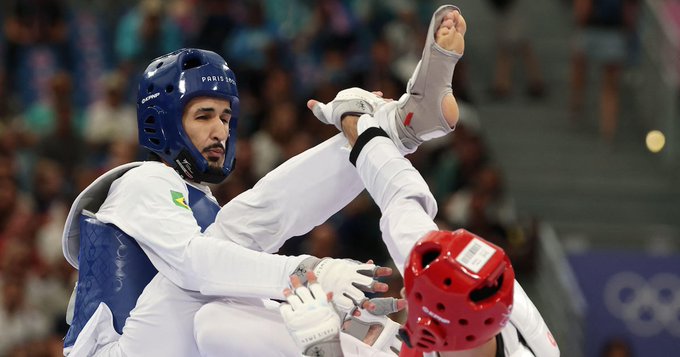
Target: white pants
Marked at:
242, 328
161, 324
172, 322
255, 328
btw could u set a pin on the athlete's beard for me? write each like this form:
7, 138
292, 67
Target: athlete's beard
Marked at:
215, 163
213, 169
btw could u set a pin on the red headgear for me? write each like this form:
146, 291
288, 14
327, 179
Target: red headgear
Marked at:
459, 289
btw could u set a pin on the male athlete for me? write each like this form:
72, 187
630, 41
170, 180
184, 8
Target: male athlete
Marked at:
195, 252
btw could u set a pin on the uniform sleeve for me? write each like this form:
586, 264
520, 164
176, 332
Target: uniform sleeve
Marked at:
408, 208
147, 205
529, 323
297, 196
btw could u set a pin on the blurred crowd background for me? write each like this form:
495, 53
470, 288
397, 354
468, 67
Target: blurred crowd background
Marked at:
68, 78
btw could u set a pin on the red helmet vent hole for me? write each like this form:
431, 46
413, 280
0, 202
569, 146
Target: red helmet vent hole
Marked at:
489, 321
419, 297
428, 338
463, 322
447, 281
469, 338
428, 257
486, 292
441, 307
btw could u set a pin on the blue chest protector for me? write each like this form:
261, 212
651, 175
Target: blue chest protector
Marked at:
113, 269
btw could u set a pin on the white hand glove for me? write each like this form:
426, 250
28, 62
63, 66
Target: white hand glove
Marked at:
348, 280
348, 101
312, 321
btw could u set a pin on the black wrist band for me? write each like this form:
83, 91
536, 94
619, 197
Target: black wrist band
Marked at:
362, 140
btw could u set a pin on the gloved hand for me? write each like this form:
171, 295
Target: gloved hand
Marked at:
355, 101
346, 279
372, 326
311, 319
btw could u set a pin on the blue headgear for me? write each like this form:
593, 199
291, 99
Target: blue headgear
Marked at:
169, 83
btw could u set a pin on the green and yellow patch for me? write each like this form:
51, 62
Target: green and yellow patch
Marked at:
179, 200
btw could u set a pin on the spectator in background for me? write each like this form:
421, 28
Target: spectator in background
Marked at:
455, 166
334, 26
111, 119
403, 34
3, 79
379, 74
604, 29
34, 22
298, 143
322, 240
16, 216
42, 119
143, 34
8, 165
249, 44
215, 24
482, 204
269, 143
50, 130
51, 208
328, 47
19, 322
277, 86
358, 224
511, 42
64, 144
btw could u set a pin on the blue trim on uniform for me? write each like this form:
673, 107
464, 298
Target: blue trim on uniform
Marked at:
204, 209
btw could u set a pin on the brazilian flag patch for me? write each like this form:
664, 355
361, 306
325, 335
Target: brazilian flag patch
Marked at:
178, 199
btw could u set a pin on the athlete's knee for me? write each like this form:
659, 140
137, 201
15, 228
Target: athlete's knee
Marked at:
206, 331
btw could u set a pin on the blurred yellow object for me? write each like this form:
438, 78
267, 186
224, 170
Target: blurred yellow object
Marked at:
655, 141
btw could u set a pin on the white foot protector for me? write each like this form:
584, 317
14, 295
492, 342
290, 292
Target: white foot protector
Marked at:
417, 116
